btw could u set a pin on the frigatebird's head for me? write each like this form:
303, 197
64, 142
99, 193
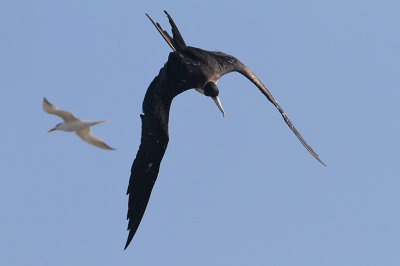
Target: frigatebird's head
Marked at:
210, 89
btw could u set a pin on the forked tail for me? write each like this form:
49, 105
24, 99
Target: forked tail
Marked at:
176, 42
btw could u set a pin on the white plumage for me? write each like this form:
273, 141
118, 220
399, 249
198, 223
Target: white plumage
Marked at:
72, 123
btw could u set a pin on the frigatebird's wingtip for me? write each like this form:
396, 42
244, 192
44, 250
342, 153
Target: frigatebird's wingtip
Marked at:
310, 150
319, 160
128, 241
313, 153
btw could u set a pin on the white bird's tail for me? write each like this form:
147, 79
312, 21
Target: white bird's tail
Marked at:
100, 122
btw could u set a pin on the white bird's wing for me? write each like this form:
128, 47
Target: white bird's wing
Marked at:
52, 109
86, 135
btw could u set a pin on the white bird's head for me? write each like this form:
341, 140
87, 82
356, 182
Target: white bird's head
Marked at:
57, 127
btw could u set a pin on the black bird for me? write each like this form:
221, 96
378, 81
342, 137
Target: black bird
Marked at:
187, 68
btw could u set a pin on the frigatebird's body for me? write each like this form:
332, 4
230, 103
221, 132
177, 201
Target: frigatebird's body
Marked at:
187, 68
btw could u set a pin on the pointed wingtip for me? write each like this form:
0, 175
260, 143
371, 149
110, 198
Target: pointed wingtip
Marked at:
128, 241
310, 150
313, 153
46, 105
319, 160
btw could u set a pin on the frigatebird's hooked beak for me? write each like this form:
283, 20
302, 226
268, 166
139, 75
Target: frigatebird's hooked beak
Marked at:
218, 103
210, 89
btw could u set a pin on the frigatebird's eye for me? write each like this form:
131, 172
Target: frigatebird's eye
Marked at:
210, 89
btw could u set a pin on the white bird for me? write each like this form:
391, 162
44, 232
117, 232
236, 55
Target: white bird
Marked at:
72, 123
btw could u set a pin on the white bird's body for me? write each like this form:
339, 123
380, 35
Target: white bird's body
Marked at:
73, 124
77, 125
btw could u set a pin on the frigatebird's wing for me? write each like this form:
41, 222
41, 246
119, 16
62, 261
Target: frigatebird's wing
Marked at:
245, 71
144, 172
231, 64
176, 43
154, 142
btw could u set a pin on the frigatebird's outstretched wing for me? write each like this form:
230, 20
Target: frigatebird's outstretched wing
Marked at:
224, 64
144, 173
155, 137
245, 71
154, 142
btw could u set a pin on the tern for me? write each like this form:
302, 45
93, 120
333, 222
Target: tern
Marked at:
187, 68
72, 123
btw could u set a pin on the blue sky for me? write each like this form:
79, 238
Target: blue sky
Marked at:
239, 190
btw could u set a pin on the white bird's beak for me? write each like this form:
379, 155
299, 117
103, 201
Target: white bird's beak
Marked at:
51, 130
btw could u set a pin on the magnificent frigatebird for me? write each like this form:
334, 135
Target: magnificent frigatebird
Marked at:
187, 68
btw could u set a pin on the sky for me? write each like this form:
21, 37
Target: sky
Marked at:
238, 190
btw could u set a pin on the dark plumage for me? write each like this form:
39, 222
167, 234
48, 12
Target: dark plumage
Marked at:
187, 68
